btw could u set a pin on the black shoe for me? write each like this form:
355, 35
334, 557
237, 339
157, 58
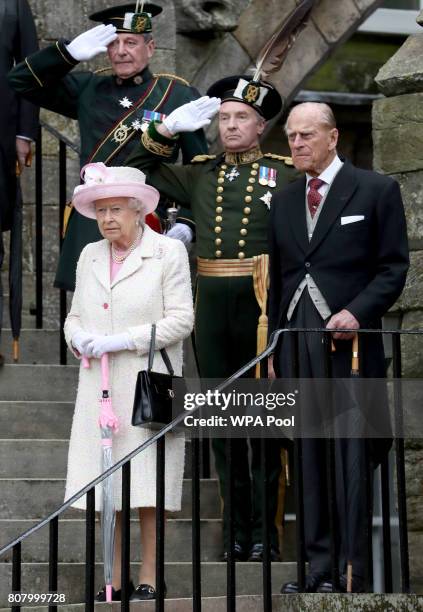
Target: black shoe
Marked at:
256, 553
116, 593
357, 585
312, 583
144, 592
239, 553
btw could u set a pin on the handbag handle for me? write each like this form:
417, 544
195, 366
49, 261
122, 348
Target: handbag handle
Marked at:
163, 353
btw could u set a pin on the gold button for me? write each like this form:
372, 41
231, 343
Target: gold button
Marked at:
224, 167
255, 165
248, 199
220, 189
219, 209
250, 188
247, 210
222, 173
241, 255
219, 219
251, 179
219, 199
217, 230
218, 253
241, 243
253, 172
245, 221
220, 180
243, 231
218, 241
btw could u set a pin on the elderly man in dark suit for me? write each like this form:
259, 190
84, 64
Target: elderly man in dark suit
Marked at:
338, 259
18, 118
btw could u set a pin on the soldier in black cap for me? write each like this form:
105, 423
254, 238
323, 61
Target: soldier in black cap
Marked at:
230, 196
112, 109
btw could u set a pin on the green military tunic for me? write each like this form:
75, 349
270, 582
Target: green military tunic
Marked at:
230, 197
110, 112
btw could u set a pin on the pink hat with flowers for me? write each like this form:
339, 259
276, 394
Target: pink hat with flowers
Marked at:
101, 182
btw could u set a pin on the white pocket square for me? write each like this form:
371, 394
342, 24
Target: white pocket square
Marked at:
351, 219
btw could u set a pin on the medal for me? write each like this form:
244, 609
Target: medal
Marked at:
120, 134
263, 174
233, 174
267, 198
272, 177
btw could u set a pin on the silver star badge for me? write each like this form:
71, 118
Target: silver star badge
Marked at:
267, 198
125, 102
137, 125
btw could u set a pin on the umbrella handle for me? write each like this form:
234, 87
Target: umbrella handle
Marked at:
105, 371
85, 363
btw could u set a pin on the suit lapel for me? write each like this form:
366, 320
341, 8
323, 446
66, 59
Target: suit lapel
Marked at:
341, 191
297, 214
101, 266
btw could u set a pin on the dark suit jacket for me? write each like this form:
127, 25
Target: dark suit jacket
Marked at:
360, 266
18, 38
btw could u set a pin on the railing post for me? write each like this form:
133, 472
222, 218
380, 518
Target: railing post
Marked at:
267, 572
229, 518
126, 535
160, 523
90, 551
53, 557
39, 231
400, 463
386, 524
16, 571
62, 205
196, 532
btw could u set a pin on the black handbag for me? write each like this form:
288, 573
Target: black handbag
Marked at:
154, 392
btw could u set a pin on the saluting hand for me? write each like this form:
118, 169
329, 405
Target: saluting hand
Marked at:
89, 44
190, 117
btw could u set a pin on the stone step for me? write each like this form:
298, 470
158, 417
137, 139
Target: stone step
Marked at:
35, 419
178, 578
41, 458
36, 346
35, 498
54, 383
303, 602
178, 540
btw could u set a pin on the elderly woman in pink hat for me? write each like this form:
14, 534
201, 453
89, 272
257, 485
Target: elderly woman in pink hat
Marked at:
124, 283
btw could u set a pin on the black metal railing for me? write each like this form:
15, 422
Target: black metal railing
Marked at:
16, 547
64, 144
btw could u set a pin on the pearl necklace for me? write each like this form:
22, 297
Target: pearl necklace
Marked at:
117, 258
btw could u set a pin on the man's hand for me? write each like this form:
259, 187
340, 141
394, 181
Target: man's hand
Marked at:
190, 117
181, 232
89, 44
270, 370
23, 152
343, 320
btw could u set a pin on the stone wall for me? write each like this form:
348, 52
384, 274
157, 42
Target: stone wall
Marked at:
398, 151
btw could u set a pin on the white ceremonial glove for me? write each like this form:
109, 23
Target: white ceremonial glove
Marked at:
80, 341
89, 44
192, 116
182, 232
110, 344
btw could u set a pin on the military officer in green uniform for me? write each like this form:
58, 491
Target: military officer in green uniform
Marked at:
230, 196
112, 107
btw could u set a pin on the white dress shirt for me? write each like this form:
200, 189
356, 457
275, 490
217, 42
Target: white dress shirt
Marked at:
328, 176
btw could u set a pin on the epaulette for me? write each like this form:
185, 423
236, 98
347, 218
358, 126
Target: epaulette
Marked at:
202, 158
101, 70
172, 76
287, 160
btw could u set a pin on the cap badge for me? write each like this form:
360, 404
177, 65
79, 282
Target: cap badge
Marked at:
251, 92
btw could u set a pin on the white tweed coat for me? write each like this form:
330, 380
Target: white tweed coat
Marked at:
153, 285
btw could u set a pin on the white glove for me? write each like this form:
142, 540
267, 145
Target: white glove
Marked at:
182, 232
89, 44
192, 116
80, 340
110, 344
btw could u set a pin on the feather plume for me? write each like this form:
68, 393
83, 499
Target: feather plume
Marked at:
275, 51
